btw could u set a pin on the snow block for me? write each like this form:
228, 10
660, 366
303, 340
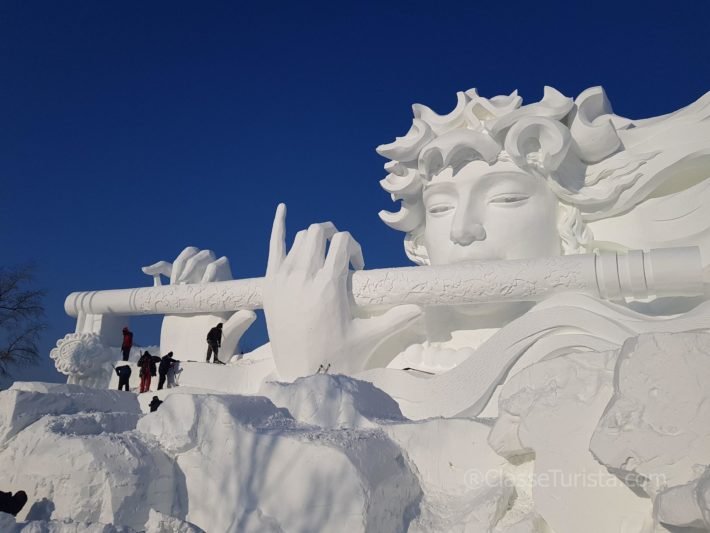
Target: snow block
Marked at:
333, 401
656, 428
26, 402
550, 409
269, 473
92, 467
450, 458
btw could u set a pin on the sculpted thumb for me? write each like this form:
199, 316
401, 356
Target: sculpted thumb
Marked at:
234, 328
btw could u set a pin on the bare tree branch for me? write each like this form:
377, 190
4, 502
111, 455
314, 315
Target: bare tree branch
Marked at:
21, 314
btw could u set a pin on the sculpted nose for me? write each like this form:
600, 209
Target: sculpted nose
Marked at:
465, 234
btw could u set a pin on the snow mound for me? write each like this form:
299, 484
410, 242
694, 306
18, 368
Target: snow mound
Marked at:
333, 401
9, 525
279, 475
75, 449
160, 523
157, 523
586, 442
26, 402
92, 467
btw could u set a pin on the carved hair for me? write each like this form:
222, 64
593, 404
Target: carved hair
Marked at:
574, 145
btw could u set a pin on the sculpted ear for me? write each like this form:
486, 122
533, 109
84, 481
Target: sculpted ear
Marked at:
415, 249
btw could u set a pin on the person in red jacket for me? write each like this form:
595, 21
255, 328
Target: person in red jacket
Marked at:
144, 364
127, 343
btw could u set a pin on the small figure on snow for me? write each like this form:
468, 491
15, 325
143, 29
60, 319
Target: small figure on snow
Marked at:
166, 366
147, 365
124, 373
127, 343
214, 342
154, 404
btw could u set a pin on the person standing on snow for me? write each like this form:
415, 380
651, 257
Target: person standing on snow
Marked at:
214, 342
166, 364
124, 373
145, 363
127, 343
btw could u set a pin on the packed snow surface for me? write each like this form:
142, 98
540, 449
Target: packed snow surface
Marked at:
583, 442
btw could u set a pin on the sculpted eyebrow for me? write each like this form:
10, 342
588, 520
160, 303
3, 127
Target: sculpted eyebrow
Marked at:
505, 178
439, 187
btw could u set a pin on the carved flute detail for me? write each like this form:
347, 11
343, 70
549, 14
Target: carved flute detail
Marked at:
607, 275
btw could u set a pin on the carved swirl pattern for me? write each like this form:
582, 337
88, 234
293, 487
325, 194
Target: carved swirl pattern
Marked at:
80, 355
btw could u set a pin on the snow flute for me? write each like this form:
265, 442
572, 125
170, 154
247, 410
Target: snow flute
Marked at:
607, 275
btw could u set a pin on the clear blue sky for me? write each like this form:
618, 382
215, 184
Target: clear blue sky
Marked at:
133, 129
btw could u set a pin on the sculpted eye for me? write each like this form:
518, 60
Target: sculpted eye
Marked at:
508, 198
440, 209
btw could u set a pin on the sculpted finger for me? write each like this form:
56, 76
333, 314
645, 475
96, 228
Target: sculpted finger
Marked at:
381, 327
239, 322
277, 244
218, 270
180, 261
295, 251
195, 267
157, 269
312, 256
344, 250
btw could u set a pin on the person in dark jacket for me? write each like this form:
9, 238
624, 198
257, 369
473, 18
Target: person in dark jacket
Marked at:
12, 504
124, 373
214, 342
145, 363
166, 364
154, 404
127, 343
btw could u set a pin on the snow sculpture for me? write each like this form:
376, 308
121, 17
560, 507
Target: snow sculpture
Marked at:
557, 311
84, 359
184, 334
547, 197
495, 180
